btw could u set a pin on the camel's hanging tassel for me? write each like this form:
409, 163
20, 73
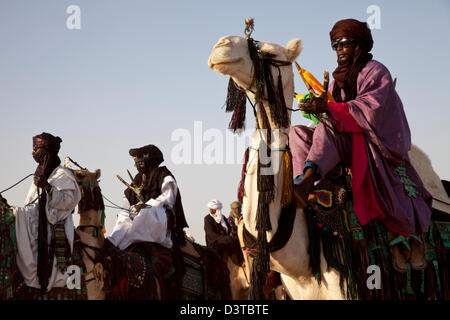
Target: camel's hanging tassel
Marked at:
285, 120
236, 103
265, 185
261, 264
257, 281
241, 189
262, 215
314, 244
275, 109
266, 126
258, 74
98, 198
288, 183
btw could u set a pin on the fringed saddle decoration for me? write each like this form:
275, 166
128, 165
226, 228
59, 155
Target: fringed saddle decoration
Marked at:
128, 275
215, 276
327, 230
194, 281
351, 248
8, 250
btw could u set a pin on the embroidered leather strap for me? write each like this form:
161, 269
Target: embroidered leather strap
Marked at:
400, 240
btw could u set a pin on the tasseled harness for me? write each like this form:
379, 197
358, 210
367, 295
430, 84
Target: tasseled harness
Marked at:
236, 101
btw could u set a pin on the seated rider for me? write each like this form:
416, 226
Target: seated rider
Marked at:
219, 234
44, 226
153, 224
366, 129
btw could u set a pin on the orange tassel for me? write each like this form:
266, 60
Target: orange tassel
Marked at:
310, 80
288, 182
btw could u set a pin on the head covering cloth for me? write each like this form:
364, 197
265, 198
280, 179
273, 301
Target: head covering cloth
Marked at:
152, 158
218, 216
345, 76
48, 158
234, 213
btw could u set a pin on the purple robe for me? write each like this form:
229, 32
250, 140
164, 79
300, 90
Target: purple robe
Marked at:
379, 112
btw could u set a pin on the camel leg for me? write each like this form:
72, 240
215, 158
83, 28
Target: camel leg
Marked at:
238, 281
308, 288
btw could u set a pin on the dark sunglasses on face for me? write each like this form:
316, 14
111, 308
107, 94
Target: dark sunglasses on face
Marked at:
138, 163
344, 42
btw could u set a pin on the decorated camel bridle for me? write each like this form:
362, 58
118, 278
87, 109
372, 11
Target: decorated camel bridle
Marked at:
273, 95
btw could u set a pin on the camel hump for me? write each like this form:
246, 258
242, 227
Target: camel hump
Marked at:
434, 185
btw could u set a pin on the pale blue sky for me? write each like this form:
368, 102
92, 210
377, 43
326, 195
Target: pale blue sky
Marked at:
137, 71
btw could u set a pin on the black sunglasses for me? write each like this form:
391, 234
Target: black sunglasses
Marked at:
344, 42
138, 162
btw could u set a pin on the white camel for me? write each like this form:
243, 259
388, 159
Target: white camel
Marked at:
230, 56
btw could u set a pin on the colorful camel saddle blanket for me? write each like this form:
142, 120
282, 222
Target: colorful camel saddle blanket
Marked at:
215, 280
444, 232
8, 250
330, 199
131, 274
351, 249
194, 280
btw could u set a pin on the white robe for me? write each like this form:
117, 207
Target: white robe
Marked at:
61, 201
150, 224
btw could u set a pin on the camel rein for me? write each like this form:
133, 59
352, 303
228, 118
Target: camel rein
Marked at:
31, 174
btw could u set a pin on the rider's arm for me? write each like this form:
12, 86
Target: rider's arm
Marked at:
168, 194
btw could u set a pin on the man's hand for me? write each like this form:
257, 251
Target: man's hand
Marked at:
316, 105
42, 183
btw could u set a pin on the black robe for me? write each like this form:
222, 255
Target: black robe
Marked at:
220, 240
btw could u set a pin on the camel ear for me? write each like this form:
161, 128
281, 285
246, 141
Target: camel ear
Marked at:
293, 49
97, 173
98, 272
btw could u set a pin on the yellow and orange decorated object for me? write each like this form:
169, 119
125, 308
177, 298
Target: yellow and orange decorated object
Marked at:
311, 83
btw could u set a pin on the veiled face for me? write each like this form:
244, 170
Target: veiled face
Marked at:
345, 54
140, 165
212, 210
38, 153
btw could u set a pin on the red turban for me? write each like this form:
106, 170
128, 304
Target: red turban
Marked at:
47, 141
354, 29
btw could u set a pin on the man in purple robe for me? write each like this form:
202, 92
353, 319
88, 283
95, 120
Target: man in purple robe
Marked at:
371, 134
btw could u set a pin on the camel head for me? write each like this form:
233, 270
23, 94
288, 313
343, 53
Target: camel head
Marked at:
85, 177
231, 56
91, 204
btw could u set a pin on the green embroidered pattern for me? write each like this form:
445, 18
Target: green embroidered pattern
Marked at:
444, 232
8, 251
408, 185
